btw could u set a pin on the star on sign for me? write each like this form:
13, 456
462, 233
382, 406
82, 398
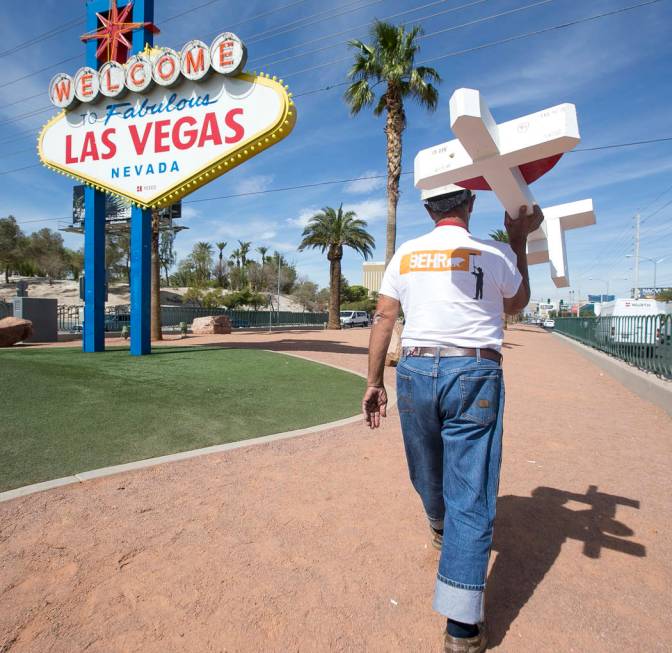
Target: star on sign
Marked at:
113, 29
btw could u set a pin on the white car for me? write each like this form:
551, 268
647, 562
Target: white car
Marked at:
354, 318
549, 324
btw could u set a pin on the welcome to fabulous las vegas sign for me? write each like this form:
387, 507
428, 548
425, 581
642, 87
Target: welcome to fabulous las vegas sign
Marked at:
164, 123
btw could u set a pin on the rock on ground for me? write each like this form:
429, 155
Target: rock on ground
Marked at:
13, 330
214, 324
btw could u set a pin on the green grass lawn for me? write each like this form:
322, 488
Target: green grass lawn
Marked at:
63, 412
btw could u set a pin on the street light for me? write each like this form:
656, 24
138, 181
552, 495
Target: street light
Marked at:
655, 265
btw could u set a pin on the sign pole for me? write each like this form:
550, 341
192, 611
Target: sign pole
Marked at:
94, 271
94, 232
94, 218
141, 223
141, 277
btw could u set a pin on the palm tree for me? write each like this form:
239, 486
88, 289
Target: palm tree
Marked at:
220, 268
390, 60
244, 251
330, 231
499, 235
201, 255
234, 257
262, 251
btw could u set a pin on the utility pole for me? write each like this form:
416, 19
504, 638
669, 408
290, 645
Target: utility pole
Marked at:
636, 291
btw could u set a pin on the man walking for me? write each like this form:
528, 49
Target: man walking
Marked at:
450, 389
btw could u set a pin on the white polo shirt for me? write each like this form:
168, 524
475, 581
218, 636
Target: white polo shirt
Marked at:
451, 287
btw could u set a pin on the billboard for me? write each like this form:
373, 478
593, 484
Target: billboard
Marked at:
165, 123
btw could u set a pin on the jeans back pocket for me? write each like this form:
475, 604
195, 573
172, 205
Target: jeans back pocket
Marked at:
404, 392
480, 396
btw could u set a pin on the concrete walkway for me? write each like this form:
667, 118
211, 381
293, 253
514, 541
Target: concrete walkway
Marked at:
318, 543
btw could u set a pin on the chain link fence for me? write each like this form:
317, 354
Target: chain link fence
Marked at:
641, 340
71, 318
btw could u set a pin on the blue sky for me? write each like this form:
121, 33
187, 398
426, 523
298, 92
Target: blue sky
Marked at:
615, 69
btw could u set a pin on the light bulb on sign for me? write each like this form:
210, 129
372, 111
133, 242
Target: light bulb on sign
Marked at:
195, 60
139, 73
87, 84
166, 67
112, 78
62, 91
228, 54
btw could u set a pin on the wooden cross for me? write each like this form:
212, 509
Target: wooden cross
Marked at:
506, 158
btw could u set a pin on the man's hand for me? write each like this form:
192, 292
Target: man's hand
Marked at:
521, 228
374, 405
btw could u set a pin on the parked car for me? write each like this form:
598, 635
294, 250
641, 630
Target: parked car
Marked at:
354, 318
549, 324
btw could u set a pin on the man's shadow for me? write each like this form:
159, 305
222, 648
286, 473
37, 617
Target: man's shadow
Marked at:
529, 534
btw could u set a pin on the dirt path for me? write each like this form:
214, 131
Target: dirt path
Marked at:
318, 543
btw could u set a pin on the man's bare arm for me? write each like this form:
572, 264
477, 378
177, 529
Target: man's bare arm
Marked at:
374, 403
387, 312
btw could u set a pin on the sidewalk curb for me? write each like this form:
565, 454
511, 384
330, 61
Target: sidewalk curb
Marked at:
643, 384
82, 477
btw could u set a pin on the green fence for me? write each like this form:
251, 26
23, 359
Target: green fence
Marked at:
70, 318
641, 340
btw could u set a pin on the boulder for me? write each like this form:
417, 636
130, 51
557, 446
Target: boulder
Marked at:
213, 324
394, 350
13, 330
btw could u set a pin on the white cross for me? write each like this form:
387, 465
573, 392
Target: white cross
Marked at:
487, 154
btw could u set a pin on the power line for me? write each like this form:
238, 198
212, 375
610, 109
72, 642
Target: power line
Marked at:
28, 114
64, 61
483, 46
656, 212
361, 26
19, 136
43, 37
606, 147
542, 31
431, 34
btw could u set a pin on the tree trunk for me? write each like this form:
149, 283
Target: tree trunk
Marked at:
393, 129
6, 273
334, 292
156, 279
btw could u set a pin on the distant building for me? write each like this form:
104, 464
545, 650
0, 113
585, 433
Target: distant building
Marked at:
372, 276
544, 308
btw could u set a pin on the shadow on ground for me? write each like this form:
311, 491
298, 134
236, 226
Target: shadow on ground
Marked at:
286, 344
529, 534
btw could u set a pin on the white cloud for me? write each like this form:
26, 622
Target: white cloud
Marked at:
189, 212
254, 183
371, 209
303, 218
361, 186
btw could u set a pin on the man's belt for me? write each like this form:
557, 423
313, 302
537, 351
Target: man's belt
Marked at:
446, 352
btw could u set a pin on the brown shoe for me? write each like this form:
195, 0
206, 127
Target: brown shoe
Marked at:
437, 538
476, 644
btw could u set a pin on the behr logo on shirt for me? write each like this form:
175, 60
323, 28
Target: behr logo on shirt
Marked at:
438, 260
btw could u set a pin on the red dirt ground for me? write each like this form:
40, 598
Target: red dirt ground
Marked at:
318, 543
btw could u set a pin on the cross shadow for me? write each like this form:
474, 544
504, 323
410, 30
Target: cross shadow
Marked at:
529, 534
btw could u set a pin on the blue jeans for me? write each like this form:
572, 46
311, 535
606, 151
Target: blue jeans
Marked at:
451, 418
